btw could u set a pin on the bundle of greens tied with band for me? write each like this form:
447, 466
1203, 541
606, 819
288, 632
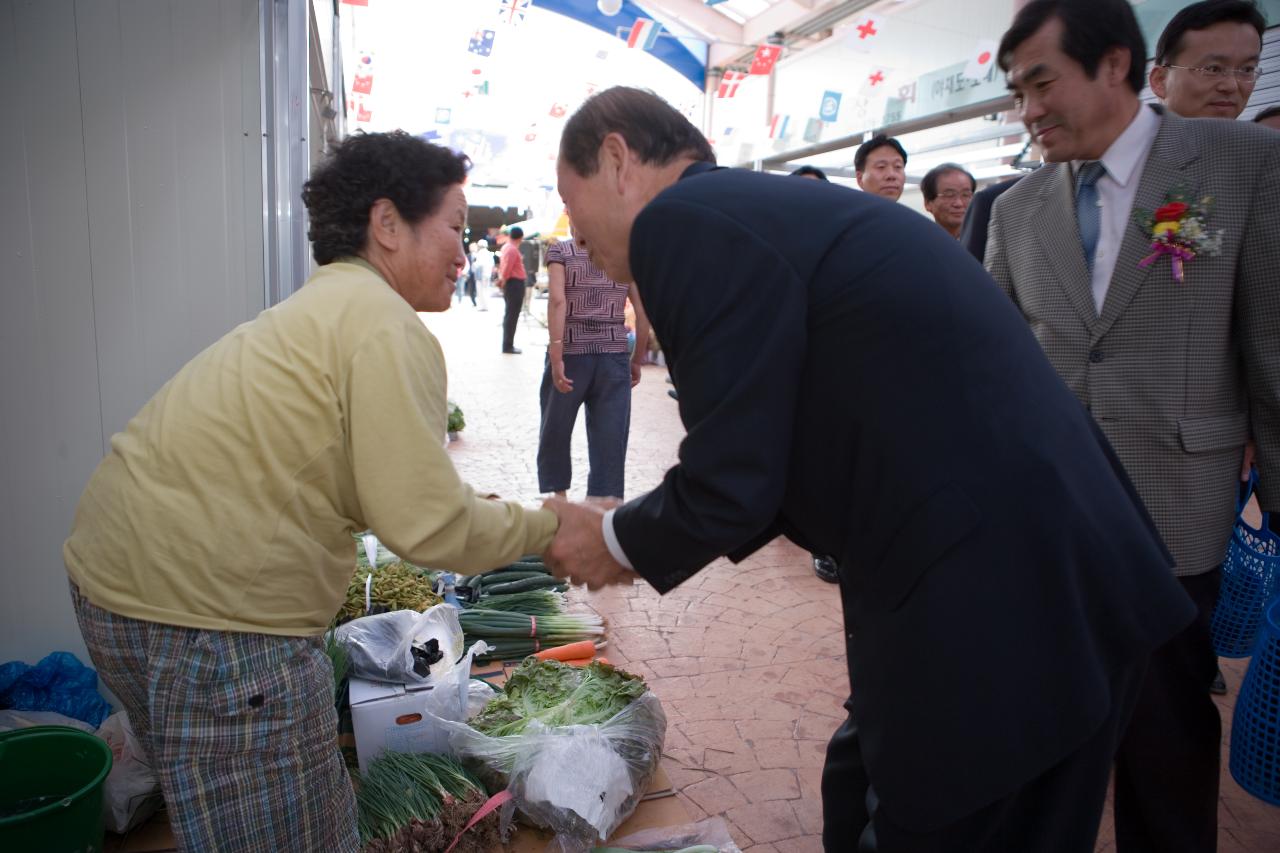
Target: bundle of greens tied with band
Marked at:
420, 802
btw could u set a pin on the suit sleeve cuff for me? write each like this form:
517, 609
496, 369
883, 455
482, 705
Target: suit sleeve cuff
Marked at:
611, 541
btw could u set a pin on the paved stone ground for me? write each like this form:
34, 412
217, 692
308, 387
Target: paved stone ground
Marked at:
748, 660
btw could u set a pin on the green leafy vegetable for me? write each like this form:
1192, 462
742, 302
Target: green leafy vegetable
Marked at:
557, 694
457, 423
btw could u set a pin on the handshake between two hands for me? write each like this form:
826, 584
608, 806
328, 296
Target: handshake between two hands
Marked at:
578, 552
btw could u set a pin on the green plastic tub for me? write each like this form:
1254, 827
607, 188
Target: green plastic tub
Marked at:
51, 789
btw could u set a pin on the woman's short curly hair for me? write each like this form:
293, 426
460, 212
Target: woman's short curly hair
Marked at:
413, 174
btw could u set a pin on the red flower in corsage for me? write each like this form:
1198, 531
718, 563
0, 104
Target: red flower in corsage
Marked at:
1177, 229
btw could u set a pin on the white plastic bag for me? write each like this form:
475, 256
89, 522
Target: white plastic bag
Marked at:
581, 782
711, 833
131, 793
380, 646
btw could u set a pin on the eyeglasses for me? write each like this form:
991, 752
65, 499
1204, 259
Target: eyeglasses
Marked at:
1248, 74
952, 195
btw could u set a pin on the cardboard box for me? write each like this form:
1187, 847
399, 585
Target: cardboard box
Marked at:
390, 716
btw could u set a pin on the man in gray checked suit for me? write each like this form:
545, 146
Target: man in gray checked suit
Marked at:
1146, 257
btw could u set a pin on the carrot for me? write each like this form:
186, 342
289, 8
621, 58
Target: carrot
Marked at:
584, 661
572, 651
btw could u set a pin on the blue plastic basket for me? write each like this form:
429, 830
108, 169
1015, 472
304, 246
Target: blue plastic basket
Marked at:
1250, 575
1255, 728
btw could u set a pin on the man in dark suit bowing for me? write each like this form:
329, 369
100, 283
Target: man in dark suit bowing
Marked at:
849, 377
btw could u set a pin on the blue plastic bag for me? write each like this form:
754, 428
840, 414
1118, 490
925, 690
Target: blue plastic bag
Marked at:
58, 683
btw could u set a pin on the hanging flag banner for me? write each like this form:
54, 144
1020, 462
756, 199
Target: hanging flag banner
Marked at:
813, 130
444, 115
867, 33
356, 2
644, 34
558, 110
512, 12
765, 58
779, 126
482, 42
982, 61
729, 83
876, 82
830, 108
363, 114
363, 84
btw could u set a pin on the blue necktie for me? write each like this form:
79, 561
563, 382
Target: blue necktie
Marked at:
1088, 213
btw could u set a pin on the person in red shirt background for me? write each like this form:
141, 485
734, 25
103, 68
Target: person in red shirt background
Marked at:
511, 276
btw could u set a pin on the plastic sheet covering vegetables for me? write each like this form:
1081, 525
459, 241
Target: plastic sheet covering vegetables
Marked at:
576, 746
706, 836
405, 646
418, 803
59, 682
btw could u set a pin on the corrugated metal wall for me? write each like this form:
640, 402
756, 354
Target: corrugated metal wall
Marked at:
131, 233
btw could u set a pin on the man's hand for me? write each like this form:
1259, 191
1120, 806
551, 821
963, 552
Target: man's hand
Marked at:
1250, 453
578, 552
636, 373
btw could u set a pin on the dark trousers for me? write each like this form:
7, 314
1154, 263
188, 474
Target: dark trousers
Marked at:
1168, 764
602, 381
513, 293
1057, 812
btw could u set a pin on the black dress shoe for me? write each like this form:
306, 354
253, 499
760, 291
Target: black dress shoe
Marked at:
671, 392
825, 568
512, 351
1219, 685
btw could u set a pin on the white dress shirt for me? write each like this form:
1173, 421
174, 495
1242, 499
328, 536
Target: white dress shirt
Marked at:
1117, 188
611, 542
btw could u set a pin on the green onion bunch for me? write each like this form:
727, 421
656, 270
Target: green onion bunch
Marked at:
420, 802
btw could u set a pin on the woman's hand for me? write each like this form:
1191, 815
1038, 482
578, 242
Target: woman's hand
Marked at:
562, 383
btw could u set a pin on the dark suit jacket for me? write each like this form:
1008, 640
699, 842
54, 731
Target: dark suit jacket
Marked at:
973, 233
850, 376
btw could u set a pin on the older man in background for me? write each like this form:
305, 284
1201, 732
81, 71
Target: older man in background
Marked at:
948, 189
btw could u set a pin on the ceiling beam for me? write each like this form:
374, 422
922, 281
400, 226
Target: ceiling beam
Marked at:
698, 18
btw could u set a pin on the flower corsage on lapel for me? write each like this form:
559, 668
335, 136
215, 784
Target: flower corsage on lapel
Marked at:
1177, 229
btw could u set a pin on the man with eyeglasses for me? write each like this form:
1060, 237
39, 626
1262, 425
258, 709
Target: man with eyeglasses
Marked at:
948, 189
1207, 59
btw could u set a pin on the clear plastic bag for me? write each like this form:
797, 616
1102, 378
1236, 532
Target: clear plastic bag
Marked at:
581, 782
706, 836
131, 793
381, 647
